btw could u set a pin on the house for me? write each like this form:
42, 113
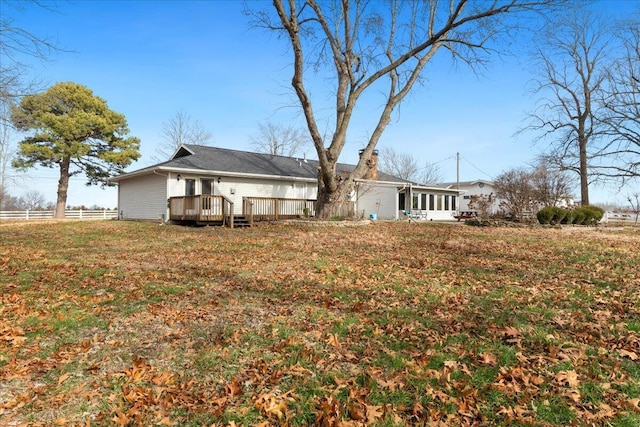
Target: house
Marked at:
208, 184
479, 188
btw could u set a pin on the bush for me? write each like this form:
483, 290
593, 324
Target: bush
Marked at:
570, 217
545, 215
580, 216
592, 214
558, 215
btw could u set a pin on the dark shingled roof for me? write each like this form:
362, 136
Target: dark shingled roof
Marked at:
199, 157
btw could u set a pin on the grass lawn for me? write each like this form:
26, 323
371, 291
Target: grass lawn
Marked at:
390, 324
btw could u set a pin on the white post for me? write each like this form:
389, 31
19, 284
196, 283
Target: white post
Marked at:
27, 214
80, 214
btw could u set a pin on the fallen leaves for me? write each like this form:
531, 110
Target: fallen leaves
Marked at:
432, 325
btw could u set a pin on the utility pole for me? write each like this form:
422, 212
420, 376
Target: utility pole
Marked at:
457, 171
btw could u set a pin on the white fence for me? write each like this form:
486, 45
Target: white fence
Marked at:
619, 217
70, 213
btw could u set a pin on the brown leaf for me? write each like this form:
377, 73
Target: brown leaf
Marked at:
333, 341
634, 404
63, 378
569, 378
630, 354
233, 388
374, 413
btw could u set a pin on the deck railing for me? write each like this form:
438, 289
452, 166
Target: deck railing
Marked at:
208, 208
273, 209
201, 208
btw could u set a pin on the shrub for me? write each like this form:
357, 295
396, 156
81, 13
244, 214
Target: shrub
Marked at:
545, 215
593, 214
558, 215
570, 217
580, 216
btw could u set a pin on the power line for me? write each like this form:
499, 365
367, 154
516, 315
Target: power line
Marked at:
476, 167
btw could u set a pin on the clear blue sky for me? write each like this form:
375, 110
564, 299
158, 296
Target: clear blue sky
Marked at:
150, 59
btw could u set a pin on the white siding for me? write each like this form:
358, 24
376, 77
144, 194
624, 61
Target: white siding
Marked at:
235, 188
476, 189
143, 197
377, 199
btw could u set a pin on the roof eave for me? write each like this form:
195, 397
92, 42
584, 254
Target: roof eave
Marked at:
152, 170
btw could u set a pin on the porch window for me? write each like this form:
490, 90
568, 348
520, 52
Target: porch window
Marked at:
439, 202
190, 187
446, 202
453, 203
432, 205
423, 199
401, 201
415, 202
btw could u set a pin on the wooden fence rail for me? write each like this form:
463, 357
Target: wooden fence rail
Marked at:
69, 213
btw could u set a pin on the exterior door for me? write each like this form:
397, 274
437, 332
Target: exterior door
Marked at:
207, 186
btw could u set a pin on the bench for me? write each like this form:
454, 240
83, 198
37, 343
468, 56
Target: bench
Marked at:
466, 215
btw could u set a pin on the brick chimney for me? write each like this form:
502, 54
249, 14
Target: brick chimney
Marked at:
372, 166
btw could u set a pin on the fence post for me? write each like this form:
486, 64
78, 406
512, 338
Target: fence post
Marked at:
26, 214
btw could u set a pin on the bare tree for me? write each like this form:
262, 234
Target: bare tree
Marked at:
514, 187
619, 158
377, 47
9, 202
7, 148
16, 41
180, 129
279, 140
430, 174
400, 165
551, 185
482, 204
406, 166
634, 201
33, 200
574, 57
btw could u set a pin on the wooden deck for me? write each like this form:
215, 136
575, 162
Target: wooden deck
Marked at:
208, 209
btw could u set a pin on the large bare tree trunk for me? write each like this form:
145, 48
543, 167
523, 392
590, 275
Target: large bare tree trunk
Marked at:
63, 186
584, 172
330, 203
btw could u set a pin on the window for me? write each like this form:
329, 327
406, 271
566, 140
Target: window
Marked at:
189, 187
432, 205
446, 202
439, 202
453, 203
415, 202
423, 199
466, 197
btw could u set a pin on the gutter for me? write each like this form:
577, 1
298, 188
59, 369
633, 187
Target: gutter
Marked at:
201, 172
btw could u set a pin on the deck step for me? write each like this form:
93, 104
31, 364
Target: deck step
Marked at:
240, 221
